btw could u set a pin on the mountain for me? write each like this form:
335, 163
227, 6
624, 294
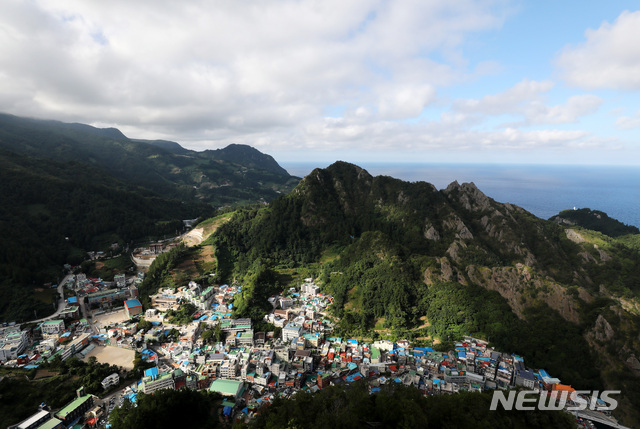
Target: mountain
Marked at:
234, 175
69, 188
408, 260
595, 220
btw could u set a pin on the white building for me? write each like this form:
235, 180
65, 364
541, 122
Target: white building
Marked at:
309, 289
152, 383
111, 380
52, 328
120, 280
291, 331
228, 369
12, 342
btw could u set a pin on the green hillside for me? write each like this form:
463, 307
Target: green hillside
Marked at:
237, 174
595, 220
396, 255
70, 188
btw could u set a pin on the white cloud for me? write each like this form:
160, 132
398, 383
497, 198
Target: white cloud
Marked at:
265, 73
204, 70
526, 100
609, 58
628, 122
508, 101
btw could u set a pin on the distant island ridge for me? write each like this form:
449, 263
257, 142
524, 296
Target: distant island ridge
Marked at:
544, 190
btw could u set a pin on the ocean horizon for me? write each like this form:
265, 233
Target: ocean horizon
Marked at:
543, 190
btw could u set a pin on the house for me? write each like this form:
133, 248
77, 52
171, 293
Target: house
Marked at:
286, 303
523, 377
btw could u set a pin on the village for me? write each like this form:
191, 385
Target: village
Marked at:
248, 367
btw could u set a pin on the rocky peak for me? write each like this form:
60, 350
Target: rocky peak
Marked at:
469, 196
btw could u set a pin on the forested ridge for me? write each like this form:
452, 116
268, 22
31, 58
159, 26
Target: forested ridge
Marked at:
70, 188
396, 255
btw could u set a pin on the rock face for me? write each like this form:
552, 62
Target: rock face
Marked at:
431, 233
519, 285
633, 364
602, 330
574, 236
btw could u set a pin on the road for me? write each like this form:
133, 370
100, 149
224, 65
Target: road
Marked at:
61, 304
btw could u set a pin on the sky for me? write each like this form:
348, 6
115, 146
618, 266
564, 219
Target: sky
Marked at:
486, 81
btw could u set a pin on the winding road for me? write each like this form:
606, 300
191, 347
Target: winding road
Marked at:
61, 303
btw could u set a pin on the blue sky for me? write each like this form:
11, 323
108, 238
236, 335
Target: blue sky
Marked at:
487, 81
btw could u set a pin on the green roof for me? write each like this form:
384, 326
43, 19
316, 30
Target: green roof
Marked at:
73, 406
375, 353
224, 386
50, 424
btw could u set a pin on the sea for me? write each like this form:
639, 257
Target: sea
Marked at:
543, 190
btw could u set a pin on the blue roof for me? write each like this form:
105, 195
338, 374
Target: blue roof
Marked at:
151, 372
424, 349
72, 299
132, 303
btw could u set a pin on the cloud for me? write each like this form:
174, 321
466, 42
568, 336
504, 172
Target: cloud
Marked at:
266, 73
526, 100
608, 59
508, 101
169, 68
628, 122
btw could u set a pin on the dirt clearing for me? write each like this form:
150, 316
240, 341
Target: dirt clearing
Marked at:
113, 356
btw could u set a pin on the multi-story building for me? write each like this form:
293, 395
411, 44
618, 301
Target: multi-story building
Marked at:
120, 280
228, 369
107, 297
75, 346
153, 382
309, 289
523, 377
12, 342
165, 299
111, 380
132, 307
291, 331
52, 328
75, 408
